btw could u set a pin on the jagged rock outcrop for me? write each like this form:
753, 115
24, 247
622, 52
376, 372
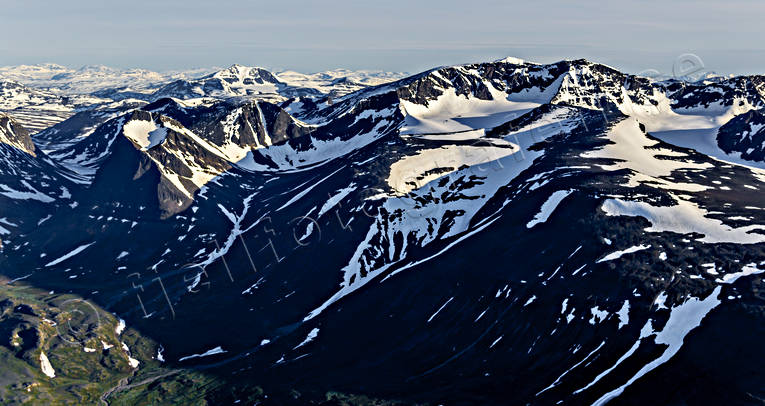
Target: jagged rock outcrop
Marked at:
15, 135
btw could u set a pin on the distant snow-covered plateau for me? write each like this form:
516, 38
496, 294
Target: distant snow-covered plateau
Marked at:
503, 232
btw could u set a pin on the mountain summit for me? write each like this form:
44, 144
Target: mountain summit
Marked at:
578, 234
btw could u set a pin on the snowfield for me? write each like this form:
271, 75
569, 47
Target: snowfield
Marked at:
564, 227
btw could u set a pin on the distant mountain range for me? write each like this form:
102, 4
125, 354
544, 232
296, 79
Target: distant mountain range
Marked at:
41, 95
492, 233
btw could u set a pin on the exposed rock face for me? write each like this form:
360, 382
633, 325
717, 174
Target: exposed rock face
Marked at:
568, 230
184, 161
744, 134
13, 134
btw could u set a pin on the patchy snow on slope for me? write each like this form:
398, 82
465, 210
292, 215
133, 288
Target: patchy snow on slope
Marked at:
427, 214
131, 361
682, 320
335, 199
660, 301
548, 207
305, 191
222, 250
557, 381
414, 171
598, 315
288, 159
34, 194
750, 269
684, 217
646, 331
633, 150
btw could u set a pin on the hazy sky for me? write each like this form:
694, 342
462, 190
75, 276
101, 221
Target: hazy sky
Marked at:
399, 35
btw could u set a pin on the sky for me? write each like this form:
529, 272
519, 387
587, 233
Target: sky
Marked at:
393, 35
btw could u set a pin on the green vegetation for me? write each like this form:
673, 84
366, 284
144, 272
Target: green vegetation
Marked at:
90, 361
86, 355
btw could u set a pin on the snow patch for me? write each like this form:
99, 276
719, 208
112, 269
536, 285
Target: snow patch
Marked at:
618, 254
214, 351
311, 335
69, 255
46, 367
145, 134
548, 207
750, 269
683, 218
682, 320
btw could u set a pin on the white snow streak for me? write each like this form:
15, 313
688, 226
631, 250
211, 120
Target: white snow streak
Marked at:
682, 320
214, 351
439, 309
548, 207
618, 254
69, 255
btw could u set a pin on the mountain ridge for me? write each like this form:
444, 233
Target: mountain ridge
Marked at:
576, 233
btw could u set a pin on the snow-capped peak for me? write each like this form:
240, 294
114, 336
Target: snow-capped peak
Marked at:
240, 75
513, 60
